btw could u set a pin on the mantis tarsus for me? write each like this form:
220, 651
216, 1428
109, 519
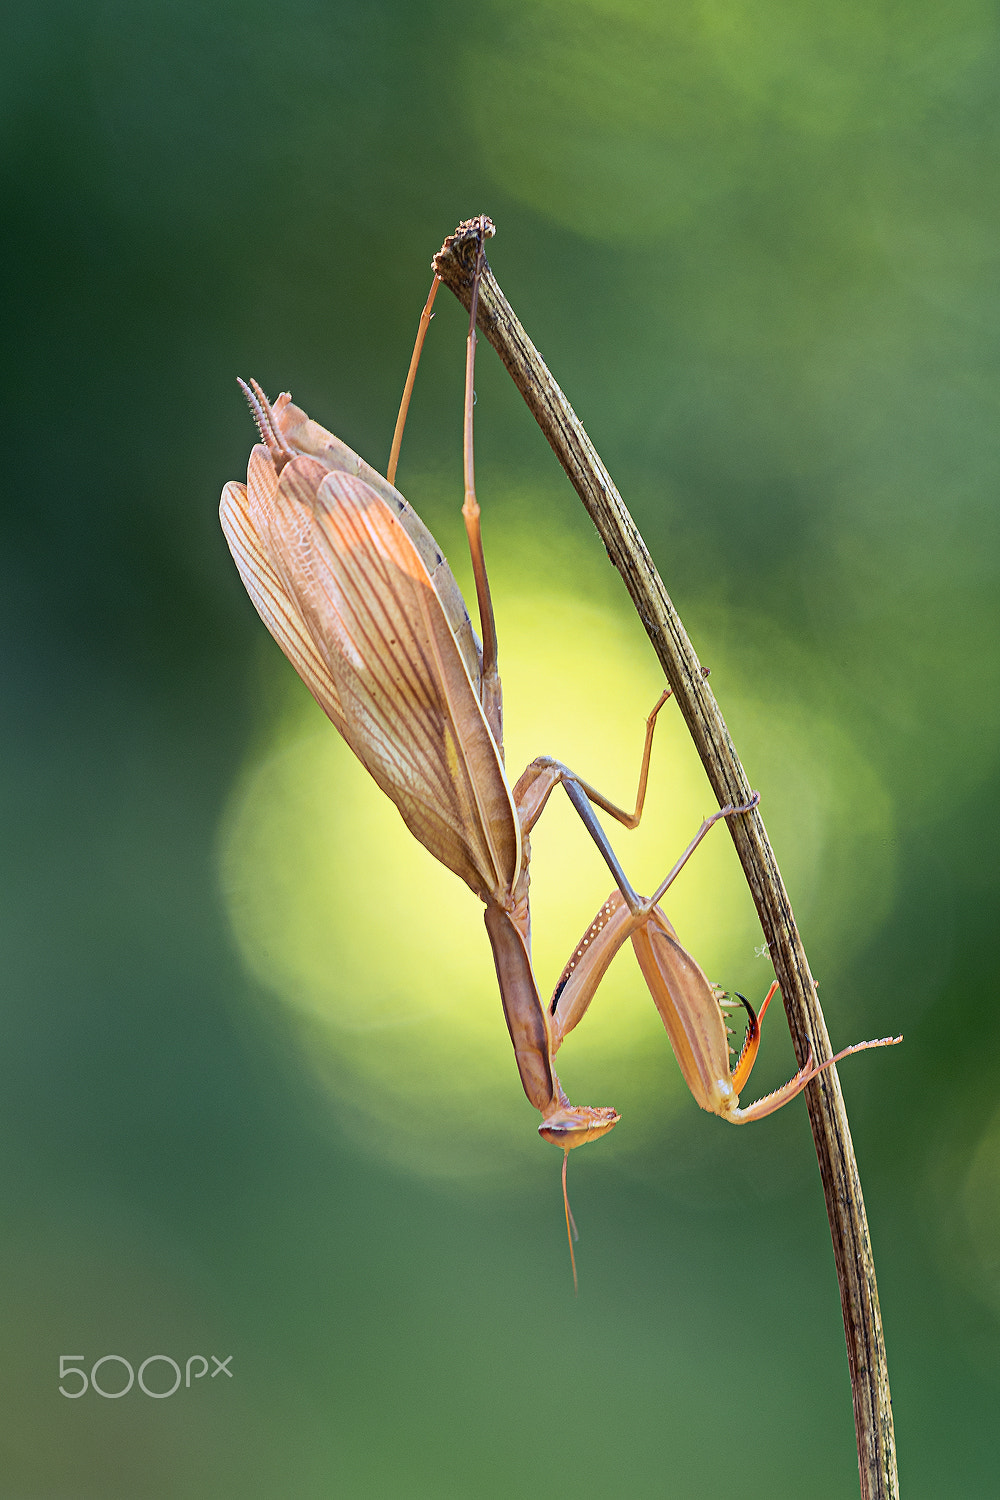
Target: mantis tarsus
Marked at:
356, 592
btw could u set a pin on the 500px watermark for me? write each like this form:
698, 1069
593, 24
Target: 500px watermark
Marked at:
72, 1367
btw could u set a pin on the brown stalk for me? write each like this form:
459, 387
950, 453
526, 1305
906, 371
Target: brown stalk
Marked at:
838, 1166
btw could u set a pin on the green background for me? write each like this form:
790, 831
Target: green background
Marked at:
757, 246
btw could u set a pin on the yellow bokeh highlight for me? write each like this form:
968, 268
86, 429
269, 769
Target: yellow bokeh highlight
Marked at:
379, 954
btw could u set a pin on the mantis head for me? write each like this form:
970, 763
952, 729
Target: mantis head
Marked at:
574, 1125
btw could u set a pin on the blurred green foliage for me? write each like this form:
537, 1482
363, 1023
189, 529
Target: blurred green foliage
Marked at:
757, 246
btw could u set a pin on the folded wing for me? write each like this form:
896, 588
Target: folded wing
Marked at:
342, 586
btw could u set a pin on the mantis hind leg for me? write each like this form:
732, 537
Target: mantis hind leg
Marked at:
538, 780
490, 690
411, 375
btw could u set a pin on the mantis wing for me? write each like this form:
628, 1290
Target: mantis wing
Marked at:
303, 435
351, 581
276, 608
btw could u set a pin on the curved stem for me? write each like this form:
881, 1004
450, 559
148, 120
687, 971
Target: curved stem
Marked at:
455, 264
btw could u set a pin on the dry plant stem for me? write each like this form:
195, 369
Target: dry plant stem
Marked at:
827, 1113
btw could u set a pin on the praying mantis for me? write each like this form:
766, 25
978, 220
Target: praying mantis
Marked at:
358, 595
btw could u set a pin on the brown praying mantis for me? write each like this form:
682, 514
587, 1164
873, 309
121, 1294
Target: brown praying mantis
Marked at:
358, 595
